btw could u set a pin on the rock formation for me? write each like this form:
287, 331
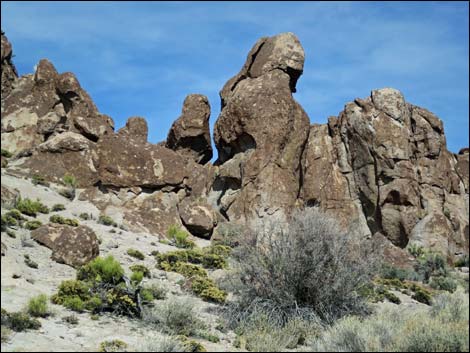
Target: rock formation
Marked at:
381, 167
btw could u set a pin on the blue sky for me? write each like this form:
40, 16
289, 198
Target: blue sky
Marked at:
143, 58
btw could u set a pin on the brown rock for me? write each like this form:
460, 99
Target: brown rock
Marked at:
198, 217
74, 246
9, 196
9, 74
190, 135
136, 129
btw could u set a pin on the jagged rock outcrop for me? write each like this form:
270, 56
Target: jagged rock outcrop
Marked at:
383, 163
74, 246
261, 120
9, 73
189, 135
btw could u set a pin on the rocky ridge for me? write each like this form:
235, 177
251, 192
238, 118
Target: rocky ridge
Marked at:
381, 166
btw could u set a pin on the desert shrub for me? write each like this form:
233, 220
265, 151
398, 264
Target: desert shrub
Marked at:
157, 291
11, 234
141, 268
423, 296
20, 321
15, 214
212, 257
69, 180
112, 346
135, 253
71, 319
162, 344
8, 221
32, 225
106, 220
39, 180
137, 277
207, 289
310, 265
174, 316
5, 334
29, 262
183, 268
106, 270
58, 207
37, 306
6, 153
227, 234
191, 345
431, 264
389, 271
443, 283
68, 193
462, 261
62, 220
84, 216
416, 250
31, 208
179, 238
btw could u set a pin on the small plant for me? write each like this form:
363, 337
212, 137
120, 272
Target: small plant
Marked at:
106, 270
31, 208
11, 234
70, 319
462, 261
8, 221
107, 221
37, 306
179, 238
62, 220
137, 277
191, 345
112, 346
6, 153
29, 262
19, 321
163, 344
135, 253
58, 207
157, 291
141, 268
32, 225
69, 180
85, 216
443, 283
422, 295
207, 290
39, 180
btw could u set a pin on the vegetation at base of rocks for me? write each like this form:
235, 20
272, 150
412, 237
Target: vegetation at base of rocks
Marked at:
100, 286
58, 207
141, 268
107, 221
179, 238
135, 253
310, 266
137, 277
112, 346
6, 153
175, 316
31, 208
62, 220
69, 180
207, 289
39, 180
228, 234
443, 327
32, 225
443, 283
29, 262
85, 216
68, 193
157, 291
462, 261
191, 345
8, 221
212, 257
19, 321
70, 319
37, 306
162, 344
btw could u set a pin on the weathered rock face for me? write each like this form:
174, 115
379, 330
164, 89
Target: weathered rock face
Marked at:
9, 196
383, 163
190, 135
74, 246
9, 74
261, 120
198, 217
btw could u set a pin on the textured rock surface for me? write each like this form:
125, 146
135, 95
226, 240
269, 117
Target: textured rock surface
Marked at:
190, 135
9, 74
198, 217
74, 246
261, 120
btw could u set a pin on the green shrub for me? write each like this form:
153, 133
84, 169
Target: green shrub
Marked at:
416, 250
39, 180
213, 257
14, 213
29, 262
157, 291
31, 208
146, 295
19, 321
31, 225
107, 221
58, 207
85, 216
8, 221
179, 237
462, 261
135, 253
431, 264
37, 306
69, 180
207, 290
392, 297
422, 295
187, 270
228, 234
112, 346
141, 268
74, 303
62, 220
6, 153
191, 345
137, 277
389, 271
70, 319
106, 270
443, 283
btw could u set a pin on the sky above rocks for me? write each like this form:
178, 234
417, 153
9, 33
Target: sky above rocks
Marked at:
142, 58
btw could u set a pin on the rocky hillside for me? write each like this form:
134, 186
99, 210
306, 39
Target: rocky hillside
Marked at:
381, 165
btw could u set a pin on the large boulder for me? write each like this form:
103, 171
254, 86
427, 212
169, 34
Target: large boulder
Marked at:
189, 135
261, 120
74, 246
9, 74
198, 217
